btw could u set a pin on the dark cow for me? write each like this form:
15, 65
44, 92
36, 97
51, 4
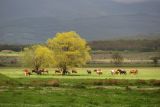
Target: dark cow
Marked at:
89, 71
39, 72
57, 71
74, 71
122, 71
95, 70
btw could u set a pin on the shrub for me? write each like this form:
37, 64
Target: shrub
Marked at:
155, 82
79, 86
112, 82
141, 82
128, 88
98, 82
54, 83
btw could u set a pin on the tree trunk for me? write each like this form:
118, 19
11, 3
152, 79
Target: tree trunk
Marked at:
37, 68
64, 70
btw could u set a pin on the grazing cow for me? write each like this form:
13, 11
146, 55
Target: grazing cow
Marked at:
57, 71
89, 71
134, 71
74, 71
99, 71
122, 71
26, 72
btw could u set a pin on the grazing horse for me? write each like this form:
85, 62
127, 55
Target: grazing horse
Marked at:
57, 71
95, 70
39, 72
113, 72
89, 71
122, 71
99, 71
133, 71
44, 70
74, 71
26, 72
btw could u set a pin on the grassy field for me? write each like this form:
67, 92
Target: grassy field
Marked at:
81, 89
57, 97
144, 73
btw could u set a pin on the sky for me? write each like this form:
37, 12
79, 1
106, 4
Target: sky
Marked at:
70, 9
128, 15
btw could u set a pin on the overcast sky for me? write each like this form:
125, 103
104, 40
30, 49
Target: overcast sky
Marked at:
94, 19
68, 9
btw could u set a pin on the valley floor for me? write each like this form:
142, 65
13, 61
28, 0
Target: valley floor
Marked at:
81, 89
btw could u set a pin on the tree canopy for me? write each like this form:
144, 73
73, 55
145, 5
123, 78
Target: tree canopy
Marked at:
65, 50
37, 56
70, 50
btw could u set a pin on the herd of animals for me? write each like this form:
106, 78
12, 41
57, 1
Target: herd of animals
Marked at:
97, 71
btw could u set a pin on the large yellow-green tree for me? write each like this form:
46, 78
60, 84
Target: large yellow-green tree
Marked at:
37, 56
70, 50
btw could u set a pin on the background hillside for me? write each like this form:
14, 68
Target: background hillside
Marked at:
34, 21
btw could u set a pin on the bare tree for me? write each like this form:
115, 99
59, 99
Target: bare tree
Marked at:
117, 59
155, 60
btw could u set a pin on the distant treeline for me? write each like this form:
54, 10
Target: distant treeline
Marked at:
130, 45
12, 47
111, 45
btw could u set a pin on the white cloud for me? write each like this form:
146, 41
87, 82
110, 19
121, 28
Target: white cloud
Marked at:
130, 1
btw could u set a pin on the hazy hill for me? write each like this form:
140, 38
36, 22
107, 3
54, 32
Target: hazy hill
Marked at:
36, 30
33, 21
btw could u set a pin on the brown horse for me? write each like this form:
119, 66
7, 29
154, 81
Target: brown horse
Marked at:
26, 72
134, 71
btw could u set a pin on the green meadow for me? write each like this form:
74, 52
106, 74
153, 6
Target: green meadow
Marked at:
80, 89
143, 73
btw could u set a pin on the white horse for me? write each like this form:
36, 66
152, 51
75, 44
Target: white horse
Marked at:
113, 71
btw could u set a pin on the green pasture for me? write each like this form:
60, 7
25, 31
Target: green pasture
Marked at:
81, 89
57, 97
144, 73
10, 54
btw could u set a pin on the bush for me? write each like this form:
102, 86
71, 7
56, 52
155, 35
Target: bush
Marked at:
141, 82
79, 86
155, 82
98, 82
54, 83
112, 82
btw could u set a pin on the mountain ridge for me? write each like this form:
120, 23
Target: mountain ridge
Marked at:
39, 29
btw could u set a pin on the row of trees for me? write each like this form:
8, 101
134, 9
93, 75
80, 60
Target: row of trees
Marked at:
131, 45
65, 50
118, 59
12, 47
